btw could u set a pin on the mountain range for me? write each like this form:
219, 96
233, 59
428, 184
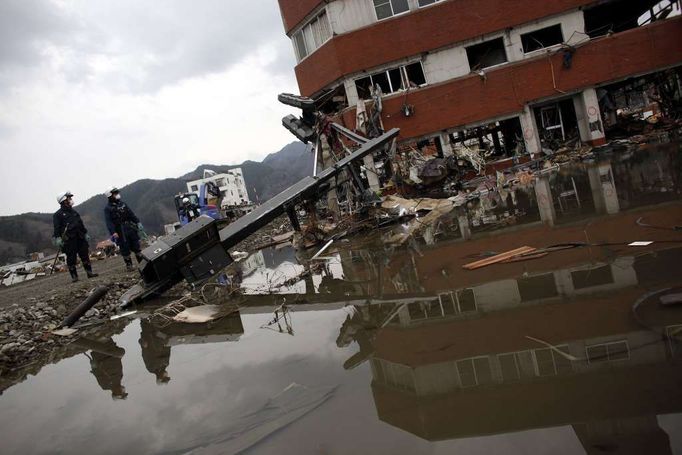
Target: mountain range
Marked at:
152, 201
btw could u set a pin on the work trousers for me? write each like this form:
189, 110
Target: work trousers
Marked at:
128, 240
74, 248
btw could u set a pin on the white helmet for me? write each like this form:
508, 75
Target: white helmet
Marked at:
112, 191
64, 196
185, 200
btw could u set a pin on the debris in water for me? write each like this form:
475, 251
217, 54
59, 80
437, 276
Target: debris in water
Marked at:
200, 314
641, 243
509, 255
122, 315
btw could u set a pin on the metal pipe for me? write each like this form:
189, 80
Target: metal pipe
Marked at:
94, 297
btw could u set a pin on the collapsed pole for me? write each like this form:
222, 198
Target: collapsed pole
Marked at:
94, 297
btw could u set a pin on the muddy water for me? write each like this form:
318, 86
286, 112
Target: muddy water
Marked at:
397, 349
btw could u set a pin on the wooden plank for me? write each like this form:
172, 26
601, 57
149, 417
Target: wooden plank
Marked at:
498, 258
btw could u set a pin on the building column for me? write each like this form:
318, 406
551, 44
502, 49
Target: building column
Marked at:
587, 112
543, 194
603, 188
328, 161
371, 173
531, 135
446, 145
351, 92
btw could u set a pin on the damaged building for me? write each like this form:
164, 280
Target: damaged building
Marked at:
487, 81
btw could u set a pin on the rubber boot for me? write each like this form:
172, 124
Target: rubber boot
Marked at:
129, 264
88, 270
74, 274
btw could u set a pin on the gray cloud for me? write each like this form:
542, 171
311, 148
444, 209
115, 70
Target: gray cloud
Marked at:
145, 43
26, 26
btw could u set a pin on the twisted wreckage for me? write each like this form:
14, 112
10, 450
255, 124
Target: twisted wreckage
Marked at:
343, 197
199, 250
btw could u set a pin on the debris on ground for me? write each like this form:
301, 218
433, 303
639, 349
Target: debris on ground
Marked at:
27, 329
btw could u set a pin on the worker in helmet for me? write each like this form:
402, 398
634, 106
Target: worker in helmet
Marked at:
124, 227
70, 236
189, 210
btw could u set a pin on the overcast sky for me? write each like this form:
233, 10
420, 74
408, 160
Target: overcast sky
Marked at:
95, 93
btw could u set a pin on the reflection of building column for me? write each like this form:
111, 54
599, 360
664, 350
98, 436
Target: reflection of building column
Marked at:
603, 188
531, 136
404, 316
543, 195
588, 114
463, 221
446, 144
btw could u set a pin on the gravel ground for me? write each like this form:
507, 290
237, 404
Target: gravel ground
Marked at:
30, 311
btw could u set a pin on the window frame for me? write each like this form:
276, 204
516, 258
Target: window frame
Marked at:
419, 5
393, 14
309, 31
489, 40
472, 361
553, 355
608, 358
561, 32
403, 77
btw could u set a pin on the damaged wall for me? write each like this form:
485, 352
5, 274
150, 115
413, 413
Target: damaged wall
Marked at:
508, 88
420, 31
452, 62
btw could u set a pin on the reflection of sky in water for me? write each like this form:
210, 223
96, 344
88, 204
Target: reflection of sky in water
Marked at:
270, 279
63, 410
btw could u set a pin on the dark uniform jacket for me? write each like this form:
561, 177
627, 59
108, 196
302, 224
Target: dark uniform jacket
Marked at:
68, 224
117, 214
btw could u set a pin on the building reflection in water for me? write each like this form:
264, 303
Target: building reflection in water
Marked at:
557, 348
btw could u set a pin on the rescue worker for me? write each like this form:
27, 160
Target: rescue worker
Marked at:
124, 227
71, 237
188, 210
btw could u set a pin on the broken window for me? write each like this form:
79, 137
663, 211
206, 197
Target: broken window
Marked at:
558, 123
388, 8
537, 287
592, 277
392, 80
333, 100
414, 75
539, 39
466, 301
312, 35
382, 80
620, 15
486, 54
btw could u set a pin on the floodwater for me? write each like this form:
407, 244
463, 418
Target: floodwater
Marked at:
397, 349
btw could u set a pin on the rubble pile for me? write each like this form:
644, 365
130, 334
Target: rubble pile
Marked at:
26, 329
265, 236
